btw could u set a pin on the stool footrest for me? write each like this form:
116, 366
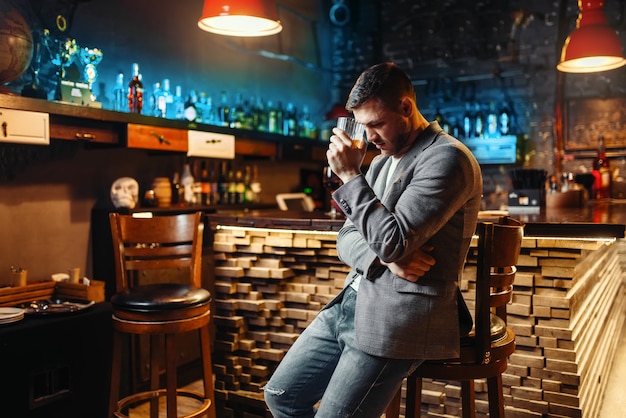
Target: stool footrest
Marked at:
135, 398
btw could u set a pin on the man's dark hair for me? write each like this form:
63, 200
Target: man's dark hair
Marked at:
385, 82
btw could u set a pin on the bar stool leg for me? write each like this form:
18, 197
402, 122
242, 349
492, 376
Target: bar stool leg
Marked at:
116, 361
468, 399
496, 397
172, 380
155, 355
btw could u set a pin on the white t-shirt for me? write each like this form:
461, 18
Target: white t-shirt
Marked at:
392, 168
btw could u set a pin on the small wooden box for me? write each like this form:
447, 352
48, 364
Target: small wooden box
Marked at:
95, 291
12, 296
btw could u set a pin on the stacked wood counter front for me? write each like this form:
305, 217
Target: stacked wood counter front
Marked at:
269, 285
271, 280
567, 313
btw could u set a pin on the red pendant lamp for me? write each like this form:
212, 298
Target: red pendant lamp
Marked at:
593, 46
240, 17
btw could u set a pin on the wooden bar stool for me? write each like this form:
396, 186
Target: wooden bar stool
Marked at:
485, 351
162, 310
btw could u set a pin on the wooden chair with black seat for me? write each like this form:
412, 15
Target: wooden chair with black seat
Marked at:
147, 304
484, 350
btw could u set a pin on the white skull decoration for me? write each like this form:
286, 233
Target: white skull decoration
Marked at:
125, 192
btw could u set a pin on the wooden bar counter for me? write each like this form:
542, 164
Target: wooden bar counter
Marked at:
274, 271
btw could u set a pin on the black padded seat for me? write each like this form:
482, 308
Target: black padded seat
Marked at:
160, 296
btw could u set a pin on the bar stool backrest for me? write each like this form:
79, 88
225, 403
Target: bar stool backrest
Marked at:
157, 243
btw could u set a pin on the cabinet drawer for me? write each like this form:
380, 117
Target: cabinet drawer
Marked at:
157, 138
24, 127
255, 148
84, 130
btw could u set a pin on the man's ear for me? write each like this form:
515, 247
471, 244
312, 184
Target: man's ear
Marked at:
406, 107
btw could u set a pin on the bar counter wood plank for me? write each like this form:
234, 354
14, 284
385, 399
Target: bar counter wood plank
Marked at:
275, 270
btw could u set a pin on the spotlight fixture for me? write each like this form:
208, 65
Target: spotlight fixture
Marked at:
593, 46
246, 18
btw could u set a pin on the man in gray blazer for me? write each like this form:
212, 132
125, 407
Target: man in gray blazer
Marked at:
417, 203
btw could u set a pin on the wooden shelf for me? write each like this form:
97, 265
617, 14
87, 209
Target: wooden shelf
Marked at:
74, 122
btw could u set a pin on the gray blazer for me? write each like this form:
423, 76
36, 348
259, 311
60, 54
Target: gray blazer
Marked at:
433, 198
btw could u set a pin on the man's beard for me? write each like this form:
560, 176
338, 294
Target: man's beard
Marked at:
402, 139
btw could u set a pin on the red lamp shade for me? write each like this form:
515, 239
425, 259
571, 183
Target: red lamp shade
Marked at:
240, 17
593, 46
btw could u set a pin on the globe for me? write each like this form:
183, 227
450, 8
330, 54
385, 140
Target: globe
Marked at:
16, 44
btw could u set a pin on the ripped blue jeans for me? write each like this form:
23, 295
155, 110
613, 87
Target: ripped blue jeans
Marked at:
325, 364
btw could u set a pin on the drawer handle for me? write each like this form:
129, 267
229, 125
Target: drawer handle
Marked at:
161, 138
85, 136
213, 141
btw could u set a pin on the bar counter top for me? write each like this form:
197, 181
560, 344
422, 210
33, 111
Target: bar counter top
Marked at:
596, 219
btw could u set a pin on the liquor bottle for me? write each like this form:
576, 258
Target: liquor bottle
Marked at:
279, 117
248, 113
223, 111
222, 184
191, 110
259, 115
255, 184
231, 187
187, 182
492, 121
178, 192
240, 188
601, 172
247, 182
157, 101
135, 91
289, 120
119, 101
164, 100
306, 129
468, 126
178, 104
504, 121
205, 185
237, 113
272, 118
200, 105
479, 122
197, 184
214, 180
150, 100
205, 103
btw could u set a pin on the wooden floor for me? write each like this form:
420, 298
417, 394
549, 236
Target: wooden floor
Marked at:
613, 405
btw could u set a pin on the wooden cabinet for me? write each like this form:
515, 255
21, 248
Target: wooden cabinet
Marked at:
84, 130
24, 127
156, 138
255, 148
72, 122
57, 366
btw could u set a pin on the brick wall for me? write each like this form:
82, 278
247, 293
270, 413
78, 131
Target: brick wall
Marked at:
460, 51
